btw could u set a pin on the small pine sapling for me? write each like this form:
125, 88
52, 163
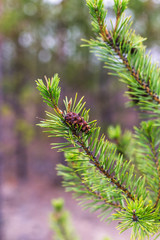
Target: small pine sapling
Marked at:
61, 222
99, 172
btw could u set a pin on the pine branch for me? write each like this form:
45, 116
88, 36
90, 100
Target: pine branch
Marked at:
88, 191
96, 163
51, 93
135, 74
126, 58
100, 178
87, 187
99, 152
119, 9
139, 217
96, 193
94, 170
77, 140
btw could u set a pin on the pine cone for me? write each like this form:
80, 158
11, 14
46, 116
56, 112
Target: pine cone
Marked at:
77, 121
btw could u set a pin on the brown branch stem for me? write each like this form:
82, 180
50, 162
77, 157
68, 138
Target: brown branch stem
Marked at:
96, 163
135, 74
106, 37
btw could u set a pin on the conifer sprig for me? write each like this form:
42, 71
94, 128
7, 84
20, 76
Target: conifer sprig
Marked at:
123, 53
139, 217
51, 93
96, 148
95, 172
119, 9
98, 14
86, 187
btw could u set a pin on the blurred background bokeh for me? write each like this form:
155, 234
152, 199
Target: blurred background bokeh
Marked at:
43, 37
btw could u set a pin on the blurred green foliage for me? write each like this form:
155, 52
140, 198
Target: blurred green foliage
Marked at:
61, 222
124, 142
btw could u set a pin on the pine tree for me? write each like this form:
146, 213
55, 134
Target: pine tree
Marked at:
101, 177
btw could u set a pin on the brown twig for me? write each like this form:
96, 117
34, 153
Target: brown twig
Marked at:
134, 217
135, 74
103, 31
106, 37
96, 163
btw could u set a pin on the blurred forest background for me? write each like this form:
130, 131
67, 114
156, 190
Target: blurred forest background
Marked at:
43, 37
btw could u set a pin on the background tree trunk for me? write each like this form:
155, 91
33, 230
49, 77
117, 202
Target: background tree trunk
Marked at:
1, 150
